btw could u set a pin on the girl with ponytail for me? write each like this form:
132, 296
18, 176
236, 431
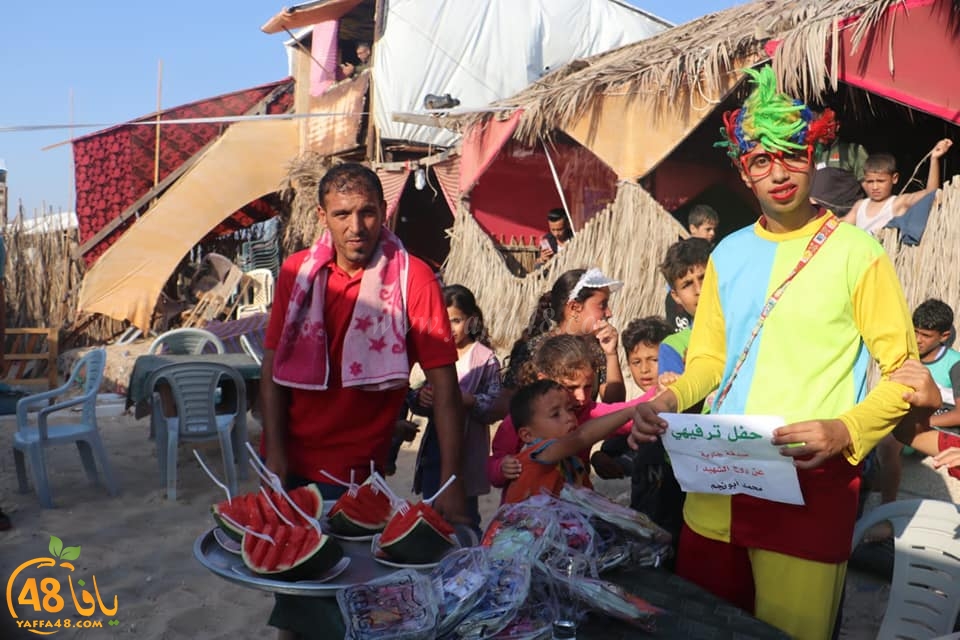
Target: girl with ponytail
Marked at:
577, 304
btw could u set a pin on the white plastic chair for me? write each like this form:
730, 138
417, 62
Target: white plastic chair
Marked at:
259, 295
30, 440
186, 341
262, 290
197, 388
925, 590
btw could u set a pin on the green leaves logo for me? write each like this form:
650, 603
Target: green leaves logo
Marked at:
57, 550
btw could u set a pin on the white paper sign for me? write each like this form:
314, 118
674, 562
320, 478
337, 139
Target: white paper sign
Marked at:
730, 454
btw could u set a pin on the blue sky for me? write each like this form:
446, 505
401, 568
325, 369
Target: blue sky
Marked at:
106, 54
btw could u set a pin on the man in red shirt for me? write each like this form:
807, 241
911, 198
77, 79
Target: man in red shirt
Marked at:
329, 423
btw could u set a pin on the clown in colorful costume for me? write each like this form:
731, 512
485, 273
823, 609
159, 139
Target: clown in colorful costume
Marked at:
808, 363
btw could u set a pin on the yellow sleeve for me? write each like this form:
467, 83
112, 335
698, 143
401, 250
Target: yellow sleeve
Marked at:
881, 314
703, 365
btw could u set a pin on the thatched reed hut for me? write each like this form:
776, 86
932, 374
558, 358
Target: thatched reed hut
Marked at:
652, 110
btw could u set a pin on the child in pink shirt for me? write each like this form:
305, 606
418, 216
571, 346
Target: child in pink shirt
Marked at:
568, 360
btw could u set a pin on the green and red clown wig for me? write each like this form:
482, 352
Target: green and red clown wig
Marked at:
774, 121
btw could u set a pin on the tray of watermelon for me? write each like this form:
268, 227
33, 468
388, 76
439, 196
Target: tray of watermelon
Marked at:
293, 543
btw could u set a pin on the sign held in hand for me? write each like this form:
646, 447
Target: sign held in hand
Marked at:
730, 454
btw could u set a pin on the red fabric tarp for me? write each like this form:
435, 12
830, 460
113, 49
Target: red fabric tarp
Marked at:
511, 199
921, 41
448, 175
115, 167
393, 183
910, 56
481, 144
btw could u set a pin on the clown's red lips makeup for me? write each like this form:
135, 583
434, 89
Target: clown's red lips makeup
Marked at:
784, 193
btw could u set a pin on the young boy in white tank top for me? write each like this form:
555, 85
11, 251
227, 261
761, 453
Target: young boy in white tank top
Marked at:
879, 177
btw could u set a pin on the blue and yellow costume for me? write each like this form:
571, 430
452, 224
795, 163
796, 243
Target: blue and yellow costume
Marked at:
809, 362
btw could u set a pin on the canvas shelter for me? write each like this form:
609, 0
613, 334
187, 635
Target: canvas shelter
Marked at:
650, 112
214, 178
477, 53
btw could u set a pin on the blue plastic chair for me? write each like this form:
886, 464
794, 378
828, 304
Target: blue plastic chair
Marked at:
197, 389
31, 439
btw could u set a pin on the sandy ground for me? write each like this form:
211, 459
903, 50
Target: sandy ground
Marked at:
139, 545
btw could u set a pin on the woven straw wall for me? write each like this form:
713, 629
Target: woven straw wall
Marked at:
929, 270
627, 241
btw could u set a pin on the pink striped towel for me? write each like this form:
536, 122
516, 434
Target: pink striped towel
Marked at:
375, 347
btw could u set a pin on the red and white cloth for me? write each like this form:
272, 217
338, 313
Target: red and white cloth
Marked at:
374, 349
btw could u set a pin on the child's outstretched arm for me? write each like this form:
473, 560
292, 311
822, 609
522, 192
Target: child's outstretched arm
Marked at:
943, 447
907, 200
584, 436
945, 454
933, 173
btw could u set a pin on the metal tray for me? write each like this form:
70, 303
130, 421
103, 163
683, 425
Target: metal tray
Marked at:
230, 567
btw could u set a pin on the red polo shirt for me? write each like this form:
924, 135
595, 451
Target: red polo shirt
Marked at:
340, 429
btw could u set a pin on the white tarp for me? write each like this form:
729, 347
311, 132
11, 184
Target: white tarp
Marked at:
481, 52
60, 221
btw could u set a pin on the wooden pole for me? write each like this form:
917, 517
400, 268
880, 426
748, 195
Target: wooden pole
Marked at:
373, 148
73, 184
156, 150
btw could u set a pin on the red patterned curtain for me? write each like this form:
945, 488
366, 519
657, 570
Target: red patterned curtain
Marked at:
448, 175
393, 183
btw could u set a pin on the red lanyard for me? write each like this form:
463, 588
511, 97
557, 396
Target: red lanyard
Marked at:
826, 229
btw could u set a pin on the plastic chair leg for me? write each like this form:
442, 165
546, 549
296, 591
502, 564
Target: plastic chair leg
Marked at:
86, 457
226, 449
161, 440
171, 443
100, 452
39, 470
19, 462
238, 436
156, 416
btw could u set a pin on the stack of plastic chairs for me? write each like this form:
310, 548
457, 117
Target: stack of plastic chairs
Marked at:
263, 253
259, 295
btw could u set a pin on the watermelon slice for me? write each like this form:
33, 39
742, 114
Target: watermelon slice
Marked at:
363, 514
252, 510
419, 536
299, 552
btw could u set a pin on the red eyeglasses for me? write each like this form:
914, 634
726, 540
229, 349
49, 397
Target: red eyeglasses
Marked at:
759, 164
